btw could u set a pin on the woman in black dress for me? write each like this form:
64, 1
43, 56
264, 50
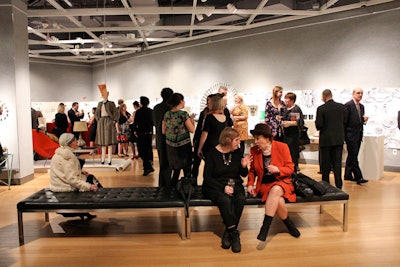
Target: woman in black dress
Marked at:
61, 121
224, 186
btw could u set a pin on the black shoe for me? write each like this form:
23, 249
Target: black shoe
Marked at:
90, 216
236, 246
362, 181
226, 240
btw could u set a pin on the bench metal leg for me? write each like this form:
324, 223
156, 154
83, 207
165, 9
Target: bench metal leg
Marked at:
188, 228
46, 217
20, 228
183, 224
345, 216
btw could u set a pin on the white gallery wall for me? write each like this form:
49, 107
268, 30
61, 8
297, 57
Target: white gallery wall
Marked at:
330, 52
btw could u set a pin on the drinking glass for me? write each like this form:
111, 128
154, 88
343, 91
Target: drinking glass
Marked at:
231, 183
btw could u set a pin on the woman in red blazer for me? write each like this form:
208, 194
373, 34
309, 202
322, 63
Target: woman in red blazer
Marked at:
273, 167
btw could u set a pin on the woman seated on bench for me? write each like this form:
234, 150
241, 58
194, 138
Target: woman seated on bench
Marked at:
66, 174
273, 167
224, 163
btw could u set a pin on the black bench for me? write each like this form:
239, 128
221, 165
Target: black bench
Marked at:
105, 199
139, 198
332, 196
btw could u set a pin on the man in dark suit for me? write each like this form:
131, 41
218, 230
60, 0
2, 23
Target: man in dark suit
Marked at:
143, 128
164, 177
74, 115
353, 136
330, 121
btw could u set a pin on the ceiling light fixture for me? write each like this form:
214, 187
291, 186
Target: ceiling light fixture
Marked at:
140, 19
231, 8
199, 17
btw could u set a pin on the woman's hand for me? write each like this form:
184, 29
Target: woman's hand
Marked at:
85, 173
200, 154
228, 190
93, 187
273, 169
251, 191
247, 160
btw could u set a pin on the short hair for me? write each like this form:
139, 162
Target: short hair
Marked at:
135, 104
327, 93
217, 102
144, 101
291, 96
223, 88
227, 135
166, 93
74, 104
175, 99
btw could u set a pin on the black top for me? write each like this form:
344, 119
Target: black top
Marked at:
214, 128
143, 123
61, 122
158, 115
217, 170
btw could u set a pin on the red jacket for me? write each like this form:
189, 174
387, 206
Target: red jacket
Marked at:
280, 157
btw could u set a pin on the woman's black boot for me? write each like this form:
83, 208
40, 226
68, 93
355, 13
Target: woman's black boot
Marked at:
291, 227
226, 240
262, 236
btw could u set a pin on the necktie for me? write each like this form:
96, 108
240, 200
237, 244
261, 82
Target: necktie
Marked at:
359, 111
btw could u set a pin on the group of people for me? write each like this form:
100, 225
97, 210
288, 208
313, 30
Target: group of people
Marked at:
218, 139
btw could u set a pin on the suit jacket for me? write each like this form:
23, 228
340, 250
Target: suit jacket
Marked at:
73, 117
280, 156
354, 125
330, 121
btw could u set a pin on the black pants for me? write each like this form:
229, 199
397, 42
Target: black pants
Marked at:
352, 170
331, 158
230, 207
145, 149
164, 177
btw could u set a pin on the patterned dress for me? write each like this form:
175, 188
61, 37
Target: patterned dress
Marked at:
270, 118
241, 125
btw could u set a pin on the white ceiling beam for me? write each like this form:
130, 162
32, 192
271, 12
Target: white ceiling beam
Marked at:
145, 27
260, 6
159, 11
135, 22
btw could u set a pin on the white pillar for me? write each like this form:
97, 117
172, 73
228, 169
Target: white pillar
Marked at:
15, 96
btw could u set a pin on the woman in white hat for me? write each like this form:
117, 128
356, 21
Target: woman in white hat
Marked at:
66, 174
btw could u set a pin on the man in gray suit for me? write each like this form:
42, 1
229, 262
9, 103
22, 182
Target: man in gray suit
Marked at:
330, 121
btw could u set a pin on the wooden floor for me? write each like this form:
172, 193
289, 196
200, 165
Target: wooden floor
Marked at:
151, 239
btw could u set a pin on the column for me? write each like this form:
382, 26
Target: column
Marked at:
15, 97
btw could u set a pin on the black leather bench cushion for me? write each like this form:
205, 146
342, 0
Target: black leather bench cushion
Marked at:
104, 198
332, 193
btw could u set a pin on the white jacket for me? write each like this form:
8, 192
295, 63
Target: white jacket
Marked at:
65, 172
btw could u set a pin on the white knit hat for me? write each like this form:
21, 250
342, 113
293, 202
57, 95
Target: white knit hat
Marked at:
66, 139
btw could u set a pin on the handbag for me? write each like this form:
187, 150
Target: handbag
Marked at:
303, 136
301, 188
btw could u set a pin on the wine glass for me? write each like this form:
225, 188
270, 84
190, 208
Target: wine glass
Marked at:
231, 183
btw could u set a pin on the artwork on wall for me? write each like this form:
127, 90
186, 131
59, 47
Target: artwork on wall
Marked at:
3, 111
382, 106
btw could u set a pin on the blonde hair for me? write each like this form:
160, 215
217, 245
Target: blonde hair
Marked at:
217, 103
61, 108
275, 90
240, 97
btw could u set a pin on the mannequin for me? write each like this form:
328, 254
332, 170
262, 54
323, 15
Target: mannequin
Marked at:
107, 116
